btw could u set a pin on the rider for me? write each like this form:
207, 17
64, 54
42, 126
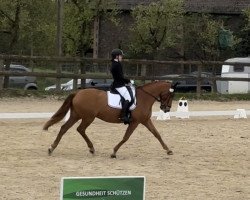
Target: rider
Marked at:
119, 83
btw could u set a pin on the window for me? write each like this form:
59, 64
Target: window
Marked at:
17, 70
238, 68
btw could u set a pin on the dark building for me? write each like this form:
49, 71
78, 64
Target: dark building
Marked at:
108, 36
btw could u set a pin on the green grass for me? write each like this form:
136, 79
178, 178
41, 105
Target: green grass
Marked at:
44, 70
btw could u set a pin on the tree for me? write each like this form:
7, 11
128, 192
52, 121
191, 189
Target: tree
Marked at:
79, 25
26, 26
243, 48
10, 17
156, 26
206, 38
247, 16
79, 19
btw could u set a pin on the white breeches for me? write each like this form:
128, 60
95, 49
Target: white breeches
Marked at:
124, 92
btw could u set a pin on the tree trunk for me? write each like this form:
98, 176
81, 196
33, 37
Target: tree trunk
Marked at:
59, 40
198, 89
31, 50
14, 40
83, 70
214, 83
6, 77
1, 78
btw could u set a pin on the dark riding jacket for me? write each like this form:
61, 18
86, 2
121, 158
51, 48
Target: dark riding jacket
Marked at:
118, 76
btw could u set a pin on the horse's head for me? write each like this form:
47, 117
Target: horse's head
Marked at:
166, 96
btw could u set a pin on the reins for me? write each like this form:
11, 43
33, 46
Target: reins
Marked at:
157, 99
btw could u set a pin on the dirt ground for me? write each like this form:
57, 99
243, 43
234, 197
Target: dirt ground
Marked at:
211, 155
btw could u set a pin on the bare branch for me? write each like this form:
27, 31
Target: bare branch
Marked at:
158, 43
5, 32
2, 13
70, 37
141, 38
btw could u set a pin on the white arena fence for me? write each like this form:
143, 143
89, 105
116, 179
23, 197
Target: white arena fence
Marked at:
232, 113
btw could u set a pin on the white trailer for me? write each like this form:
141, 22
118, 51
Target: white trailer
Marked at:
235, 87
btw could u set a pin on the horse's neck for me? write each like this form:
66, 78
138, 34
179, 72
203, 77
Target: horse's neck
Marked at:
153, 89
149, 95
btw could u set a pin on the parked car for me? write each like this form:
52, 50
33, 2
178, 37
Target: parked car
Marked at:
24, 82
67, 86
190, 83
101, 84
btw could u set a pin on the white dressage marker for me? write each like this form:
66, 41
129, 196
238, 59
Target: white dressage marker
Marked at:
206, 113
182, 109
163, 116
241, 114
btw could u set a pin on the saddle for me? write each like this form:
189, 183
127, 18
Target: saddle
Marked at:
115, 100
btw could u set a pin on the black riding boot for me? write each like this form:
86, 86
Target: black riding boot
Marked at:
125, 113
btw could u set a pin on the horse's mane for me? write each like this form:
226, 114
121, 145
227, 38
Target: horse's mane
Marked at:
152, 83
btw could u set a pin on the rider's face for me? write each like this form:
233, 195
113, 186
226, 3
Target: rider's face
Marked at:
120, 58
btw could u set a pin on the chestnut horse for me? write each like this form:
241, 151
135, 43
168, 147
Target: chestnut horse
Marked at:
87, 104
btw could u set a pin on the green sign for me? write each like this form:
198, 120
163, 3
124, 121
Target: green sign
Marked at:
103, 188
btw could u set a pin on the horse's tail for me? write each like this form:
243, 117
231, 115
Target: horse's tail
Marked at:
60, 114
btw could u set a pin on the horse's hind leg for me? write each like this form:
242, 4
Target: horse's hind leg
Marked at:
149, 124
132, 126
82, 128
65, 127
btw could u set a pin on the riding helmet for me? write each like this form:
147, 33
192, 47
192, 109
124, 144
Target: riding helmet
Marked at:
116, 52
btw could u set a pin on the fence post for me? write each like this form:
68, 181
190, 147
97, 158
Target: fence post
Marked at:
198, 89
137, 69
1, 77
214, 89
153, 72
143, 72
75, 80
83, 71
58, 80
107, 69
189, 68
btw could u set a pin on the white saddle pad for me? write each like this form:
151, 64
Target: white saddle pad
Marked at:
114, 100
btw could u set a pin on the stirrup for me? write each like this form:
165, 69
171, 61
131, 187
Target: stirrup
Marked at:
126, 120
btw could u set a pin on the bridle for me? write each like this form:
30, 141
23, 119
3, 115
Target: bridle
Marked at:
161, 99
156, 98
171, 91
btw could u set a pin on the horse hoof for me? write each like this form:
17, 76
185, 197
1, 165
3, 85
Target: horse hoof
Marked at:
170, 153
113, 156
50, 151
92, 151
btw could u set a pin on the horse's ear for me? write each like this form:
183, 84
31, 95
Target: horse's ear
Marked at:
174, 86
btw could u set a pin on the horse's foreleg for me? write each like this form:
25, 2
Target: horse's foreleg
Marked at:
71, 121
81, 129
149, 124
127, 135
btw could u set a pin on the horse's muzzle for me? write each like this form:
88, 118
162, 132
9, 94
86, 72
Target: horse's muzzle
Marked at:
165, 109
